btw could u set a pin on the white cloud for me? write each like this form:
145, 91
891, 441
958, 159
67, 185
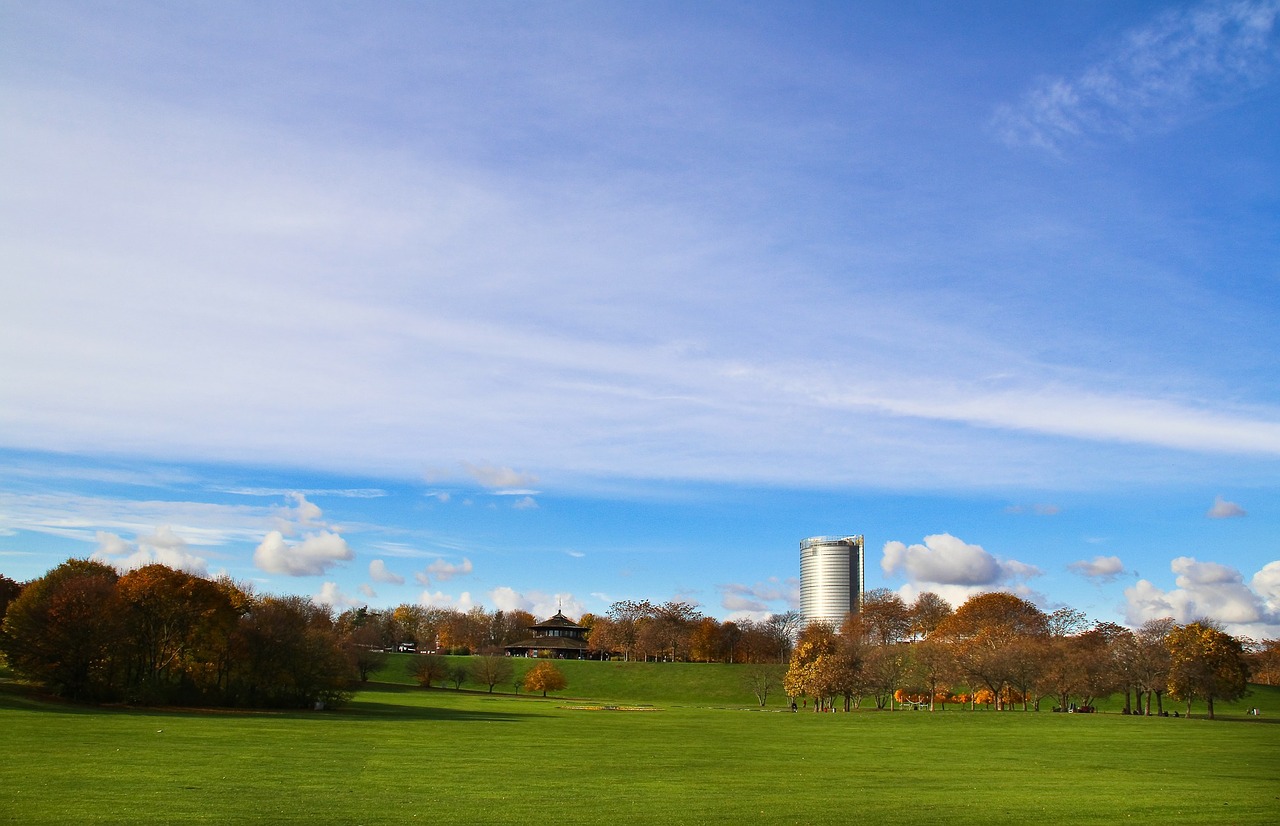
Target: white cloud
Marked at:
314, 555
367, 590
379, 572
575, 554
526, 503
953, 569
331, 595
538, 603
1180, 64
1266, 583
439, 599
1213, 590
1222, 509
164, 547
1098, 569
441, 571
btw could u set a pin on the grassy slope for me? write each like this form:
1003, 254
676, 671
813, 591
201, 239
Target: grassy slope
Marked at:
702, 684
400, 754
670, 683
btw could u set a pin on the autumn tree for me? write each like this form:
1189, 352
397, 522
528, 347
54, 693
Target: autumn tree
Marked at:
884, 671
927, 613
291, 656
62, 630
814, 665
706, 641
492, 669
932, 667
9, 591
981, 632
170, 621
1148, 662
364, 646
626, 618
1206, 664
544, 677
886, 619
428, 668
1264, 662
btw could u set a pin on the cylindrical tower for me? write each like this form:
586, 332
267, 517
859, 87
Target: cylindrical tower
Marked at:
832, 578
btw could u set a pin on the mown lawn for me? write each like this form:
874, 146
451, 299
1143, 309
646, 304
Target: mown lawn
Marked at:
399, 754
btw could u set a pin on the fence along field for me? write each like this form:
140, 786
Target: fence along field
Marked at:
398, 753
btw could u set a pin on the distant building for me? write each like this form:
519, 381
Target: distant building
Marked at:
558, 637
832, 578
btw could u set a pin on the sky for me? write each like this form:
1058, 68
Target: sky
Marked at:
548, 305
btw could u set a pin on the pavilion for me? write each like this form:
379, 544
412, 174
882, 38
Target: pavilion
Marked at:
558, 637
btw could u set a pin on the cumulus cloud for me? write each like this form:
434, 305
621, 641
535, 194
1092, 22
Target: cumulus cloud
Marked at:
299, 515
1222, 509
1266, 584
1213, 590
314, 555
367, 589
525, 503
331, 595
538, 603
499, 477
441, 571
164, 547
439, 599
1099, 569
1181, 63
379, 572
953, 569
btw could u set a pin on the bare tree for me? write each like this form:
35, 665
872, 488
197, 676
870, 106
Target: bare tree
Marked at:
763, 679
492, 669
782, 629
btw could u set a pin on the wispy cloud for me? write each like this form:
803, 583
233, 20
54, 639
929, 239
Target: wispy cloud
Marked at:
1162, 74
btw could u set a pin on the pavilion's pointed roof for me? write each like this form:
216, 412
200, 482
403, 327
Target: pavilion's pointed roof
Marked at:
557, 621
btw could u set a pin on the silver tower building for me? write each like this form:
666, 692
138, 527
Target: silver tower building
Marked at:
832, 578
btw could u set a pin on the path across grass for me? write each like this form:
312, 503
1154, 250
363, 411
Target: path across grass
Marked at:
399, 754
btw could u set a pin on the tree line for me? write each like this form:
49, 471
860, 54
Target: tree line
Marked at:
160, 636
629, 629
1001, 650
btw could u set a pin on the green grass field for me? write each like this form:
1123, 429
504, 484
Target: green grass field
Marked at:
399, 754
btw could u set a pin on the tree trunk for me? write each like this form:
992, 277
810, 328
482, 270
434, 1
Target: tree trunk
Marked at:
1209, 700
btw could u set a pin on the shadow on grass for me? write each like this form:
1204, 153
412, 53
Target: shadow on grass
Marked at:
20, 697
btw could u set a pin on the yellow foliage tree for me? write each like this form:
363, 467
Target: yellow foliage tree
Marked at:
544, 677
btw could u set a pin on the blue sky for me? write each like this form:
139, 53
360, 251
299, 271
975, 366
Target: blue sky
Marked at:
523, 305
